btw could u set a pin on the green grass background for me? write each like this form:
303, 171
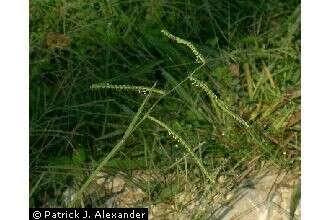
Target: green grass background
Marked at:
73, 128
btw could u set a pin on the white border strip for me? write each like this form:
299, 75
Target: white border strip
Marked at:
14, 115
315, 109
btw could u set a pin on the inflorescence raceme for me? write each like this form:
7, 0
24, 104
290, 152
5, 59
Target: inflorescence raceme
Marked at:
217, 101
188, 148
198, 55
139, 89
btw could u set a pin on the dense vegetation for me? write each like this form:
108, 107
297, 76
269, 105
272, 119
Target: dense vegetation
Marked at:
252, 53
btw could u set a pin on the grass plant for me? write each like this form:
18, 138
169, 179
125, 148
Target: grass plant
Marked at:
94, 105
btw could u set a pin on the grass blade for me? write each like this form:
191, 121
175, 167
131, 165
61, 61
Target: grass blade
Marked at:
128, 132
